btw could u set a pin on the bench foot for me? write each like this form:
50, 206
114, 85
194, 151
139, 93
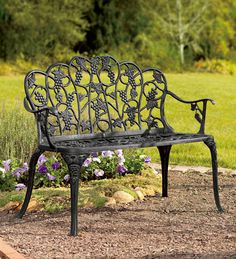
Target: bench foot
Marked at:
164, 154
74, 163
212, 146
32, 165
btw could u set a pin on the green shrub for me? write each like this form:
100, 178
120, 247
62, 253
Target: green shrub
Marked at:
216, 66
17, 133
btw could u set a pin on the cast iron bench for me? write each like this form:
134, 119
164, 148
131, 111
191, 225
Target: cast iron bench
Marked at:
96, 104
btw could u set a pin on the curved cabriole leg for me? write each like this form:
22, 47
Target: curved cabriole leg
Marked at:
164, 154
212, 146
74, 163
32, 165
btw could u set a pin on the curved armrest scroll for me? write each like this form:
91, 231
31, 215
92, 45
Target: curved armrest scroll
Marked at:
200, 113
42, 119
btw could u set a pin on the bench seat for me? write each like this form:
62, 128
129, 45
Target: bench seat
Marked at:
120, 141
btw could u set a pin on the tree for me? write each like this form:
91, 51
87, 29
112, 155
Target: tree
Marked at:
180, 20
112, 23
41, 27
218, 38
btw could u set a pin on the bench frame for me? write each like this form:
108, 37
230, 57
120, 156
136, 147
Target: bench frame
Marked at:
74, 149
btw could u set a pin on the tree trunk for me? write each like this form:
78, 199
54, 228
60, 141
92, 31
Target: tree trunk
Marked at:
180, 31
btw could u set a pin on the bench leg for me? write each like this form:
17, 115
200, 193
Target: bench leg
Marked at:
74, 163
32, 165
164, 154
212, 146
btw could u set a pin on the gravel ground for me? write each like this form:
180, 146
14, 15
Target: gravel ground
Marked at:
185, 225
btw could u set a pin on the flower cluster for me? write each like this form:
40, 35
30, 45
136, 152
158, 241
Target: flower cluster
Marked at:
52, 172
111, 164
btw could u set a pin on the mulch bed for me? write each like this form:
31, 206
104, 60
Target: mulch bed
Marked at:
185, 225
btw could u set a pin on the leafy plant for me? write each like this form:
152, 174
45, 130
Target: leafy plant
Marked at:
52, 171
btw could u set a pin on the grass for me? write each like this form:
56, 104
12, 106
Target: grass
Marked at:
92, 193
221, 118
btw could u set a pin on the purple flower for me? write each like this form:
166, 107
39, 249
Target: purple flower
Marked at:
19, 171
42, 159
20, 186
42, 169
119, 152
147, 159
94, 154
6, 165
56, 165
96, 159
87, 162
51, 177
98, 172
26, 167
121, 160
107, 153
67, 177
121, 169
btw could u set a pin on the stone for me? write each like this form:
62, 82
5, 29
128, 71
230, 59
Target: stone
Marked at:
199, 169
140, 195
233, 174
89, 204
180, 168
122, 197
10, 206
33, 206
110, 202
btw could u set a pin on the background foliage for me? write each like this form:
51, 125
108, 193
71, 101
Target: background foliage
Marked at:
171, 34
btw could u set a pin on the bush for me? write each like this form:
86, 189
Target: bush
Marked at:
216, 66
17, 133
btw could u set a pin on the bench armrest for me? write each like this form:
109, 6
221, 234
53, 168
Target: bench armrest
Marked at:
200, 113
42, 120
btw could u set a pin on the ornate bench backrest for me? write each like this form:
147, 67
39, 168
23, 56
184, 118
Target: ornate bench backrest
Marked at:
98, 95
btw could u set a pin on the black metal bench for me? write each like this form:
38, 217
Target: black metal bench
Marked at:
101, 104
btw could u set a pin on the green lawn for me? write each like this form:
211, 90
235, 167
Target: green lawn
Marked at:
221, 118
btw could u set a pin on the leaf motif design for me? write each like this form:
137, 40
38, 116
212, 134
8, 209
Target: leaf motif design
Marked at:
158, 77
31, 80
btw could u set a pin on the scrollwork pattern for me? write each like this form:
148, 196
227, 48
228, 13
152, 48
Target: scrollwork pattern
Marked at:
98, 95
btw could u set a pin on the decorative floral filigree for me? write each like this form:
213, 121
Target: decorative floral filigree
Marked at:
78, 77
198, 112
67, 117
111, 97
94, 65
81, 63
59, 97
40, 98
123, 96
70, 99
158, 77
58, 76
151, 99
151, 123
31, 80
133, 93
117, 123
85, 125
131, 114
96, 87
98, 106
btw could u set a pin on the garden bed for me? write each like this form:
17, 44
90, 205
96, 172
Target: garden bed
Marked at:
185, 225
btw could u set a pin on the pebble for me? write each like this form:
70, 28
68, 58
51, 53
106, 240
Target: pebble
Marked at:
122, 197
